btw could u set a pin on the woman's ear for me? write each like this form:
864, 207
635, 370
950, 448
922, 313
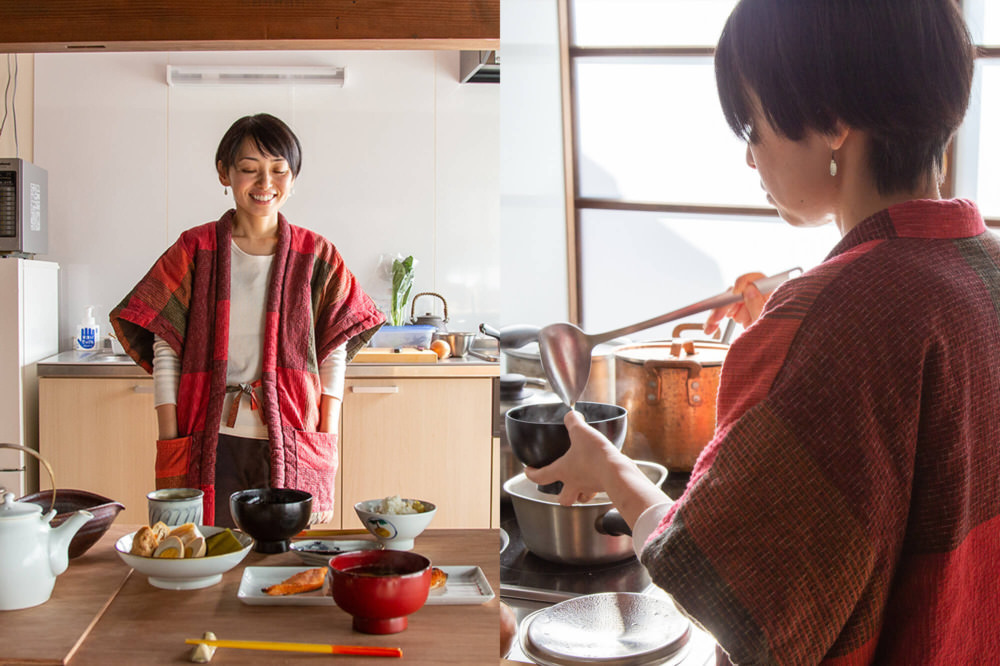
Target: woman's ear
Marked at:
839, 135
223, 174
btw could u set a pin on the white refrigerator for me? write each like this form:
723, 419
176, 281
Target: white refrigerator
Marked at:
29, 332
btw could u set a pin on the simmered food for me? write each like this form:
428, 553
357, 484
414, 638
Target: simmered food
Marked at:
184, 541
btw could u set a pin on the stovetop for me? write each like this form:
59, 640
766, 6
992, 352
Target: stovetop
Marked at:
524, 575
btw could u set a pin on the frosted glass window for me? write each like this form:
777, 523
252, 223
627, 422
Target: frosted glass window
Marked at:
651, 129
649, 22
639, 265
983, 19
988, 171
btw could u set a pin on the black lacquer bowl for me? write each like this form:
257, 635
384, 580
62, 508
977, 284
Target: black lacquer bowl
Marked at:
271, 516
538, 437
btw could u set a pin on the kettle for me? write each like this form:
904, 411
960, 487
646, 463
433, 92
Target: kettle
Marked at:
429, 319
32, 552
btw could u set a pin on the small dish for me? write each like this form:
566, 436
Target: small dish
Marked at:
467, 585
256, 578
185, 574
318, 552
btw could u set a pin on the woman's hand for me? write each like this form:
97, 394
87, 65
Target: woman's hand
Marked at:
744, 312
593, 465
580, 469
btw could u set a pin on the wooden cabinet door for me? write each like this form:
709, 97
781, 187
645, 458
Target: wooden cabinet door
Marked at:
420, 438
99, 435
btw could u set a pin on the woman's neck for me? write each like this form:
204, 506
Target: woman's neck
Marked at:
863, 202
255, 235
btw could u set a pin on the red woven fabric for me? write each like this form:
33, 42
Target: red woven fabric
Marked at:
848, 509
314, 304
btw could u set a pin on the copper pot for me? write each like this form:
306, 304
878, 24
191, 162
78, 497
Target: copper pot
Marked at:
669, 389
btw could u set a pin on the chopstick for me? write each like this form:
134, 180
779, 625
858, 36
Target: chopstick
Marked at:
321, 648
329, 533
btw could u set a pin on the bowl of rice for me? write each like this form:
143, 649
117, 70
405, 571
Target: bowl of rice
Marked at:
394, 521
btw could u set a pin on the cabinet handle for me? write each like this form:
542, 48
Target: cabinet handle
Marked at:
142, 389
375, 389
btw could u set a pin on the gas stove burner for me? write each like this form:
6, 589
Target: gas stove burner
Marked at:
513, 387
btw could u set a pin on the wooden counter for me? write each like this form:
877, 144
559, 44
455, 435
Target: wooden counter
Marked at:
147, 625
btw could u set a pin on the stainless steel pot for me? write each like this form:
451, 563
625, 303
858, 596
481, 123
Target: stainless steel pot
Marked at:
586, 533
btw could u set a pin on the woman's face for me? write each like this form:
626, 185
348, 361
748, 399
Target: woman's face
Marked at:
261, 183
794, 174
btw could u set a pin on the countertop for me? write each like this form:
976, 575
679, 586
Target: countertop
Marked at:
106, 364
142, 624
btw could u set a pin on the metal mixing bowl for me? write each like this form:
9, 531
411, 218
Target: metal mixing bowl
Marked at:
459, 342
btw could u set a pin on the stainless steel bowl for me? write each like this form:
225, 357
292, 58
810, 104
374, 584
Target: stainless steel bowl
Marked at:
459, 342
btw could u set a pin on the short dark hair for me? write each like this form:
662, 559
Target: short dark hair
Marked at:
900, 71
271, 135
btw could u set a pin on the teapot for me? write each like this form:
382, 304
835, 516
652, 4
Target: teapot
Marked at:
429, 319
32, 552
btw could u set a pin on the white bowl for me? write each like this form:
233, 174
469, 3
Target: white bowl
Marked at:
185, 574
394, 531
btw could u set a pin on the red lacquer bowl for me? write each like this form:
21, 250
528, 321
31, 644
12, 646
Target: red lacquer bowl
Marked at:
379, 588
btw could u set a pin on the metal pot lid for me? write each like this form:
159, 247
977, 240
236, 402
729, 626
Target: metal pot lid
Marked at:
705, 352
611, 628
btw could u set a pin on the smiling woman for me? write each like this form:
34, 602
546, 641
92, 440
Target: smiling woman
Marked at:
219, 318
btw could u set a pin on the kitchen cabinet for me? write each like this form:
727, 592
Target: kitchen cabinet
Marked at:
420, 437
99, 434
418, 430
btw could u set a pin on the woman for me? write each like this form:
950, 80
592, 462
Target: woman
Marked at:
246, 324
847, 510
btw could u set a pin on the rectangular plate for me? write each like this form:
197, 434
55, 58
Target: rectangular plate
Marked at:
467, 585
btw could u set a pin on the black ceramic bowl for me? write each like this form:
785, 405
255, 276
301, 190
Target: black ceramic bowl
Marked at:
69, 501
271, 515
537, 435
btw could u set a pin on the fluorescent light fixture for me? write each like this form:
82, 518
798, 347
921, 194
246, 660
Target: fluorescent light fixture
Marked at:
216, 75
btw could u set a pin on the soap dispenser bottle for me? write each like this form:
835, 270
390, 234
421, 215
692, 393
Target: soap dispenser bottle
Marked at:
88, 333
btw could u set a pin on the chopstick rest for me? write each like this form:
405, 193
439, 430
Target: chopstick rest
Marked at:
202, 653
320, 648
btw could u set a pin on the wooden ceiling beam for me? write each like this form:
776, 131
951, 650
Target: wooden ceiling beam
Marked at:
213, 25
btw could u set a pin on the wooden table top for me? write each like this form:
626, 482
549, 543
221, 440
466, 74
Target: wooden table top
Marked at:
143, 624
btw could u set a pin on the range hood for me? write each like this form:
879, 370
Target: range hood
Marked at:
479, 67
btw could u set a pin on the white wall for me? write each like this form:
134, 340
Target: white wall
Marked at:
533, 210
402, 159
18, 86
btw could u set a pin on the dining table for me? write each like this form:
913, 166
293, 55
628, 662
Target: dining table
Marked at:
103, 612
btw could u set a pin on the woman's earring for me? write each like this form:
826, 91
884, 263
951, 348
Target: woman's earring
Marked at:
833, 165
225, 191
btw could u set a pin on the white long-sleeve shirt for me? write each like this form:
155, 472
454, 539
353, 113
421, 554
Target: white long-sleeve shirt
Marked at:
248, 299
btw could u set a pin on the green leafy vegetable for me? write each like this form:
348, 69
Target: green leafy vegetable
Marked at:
402, 282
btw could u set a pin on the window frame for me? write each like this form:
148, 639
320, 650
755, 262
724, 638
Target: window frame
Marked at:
575, 204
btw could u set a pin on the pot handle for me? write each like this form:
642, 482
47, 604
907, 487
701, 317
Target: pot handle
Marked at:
511, 337
413, 305
45, 463
612, 524
694, 383
680, 328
